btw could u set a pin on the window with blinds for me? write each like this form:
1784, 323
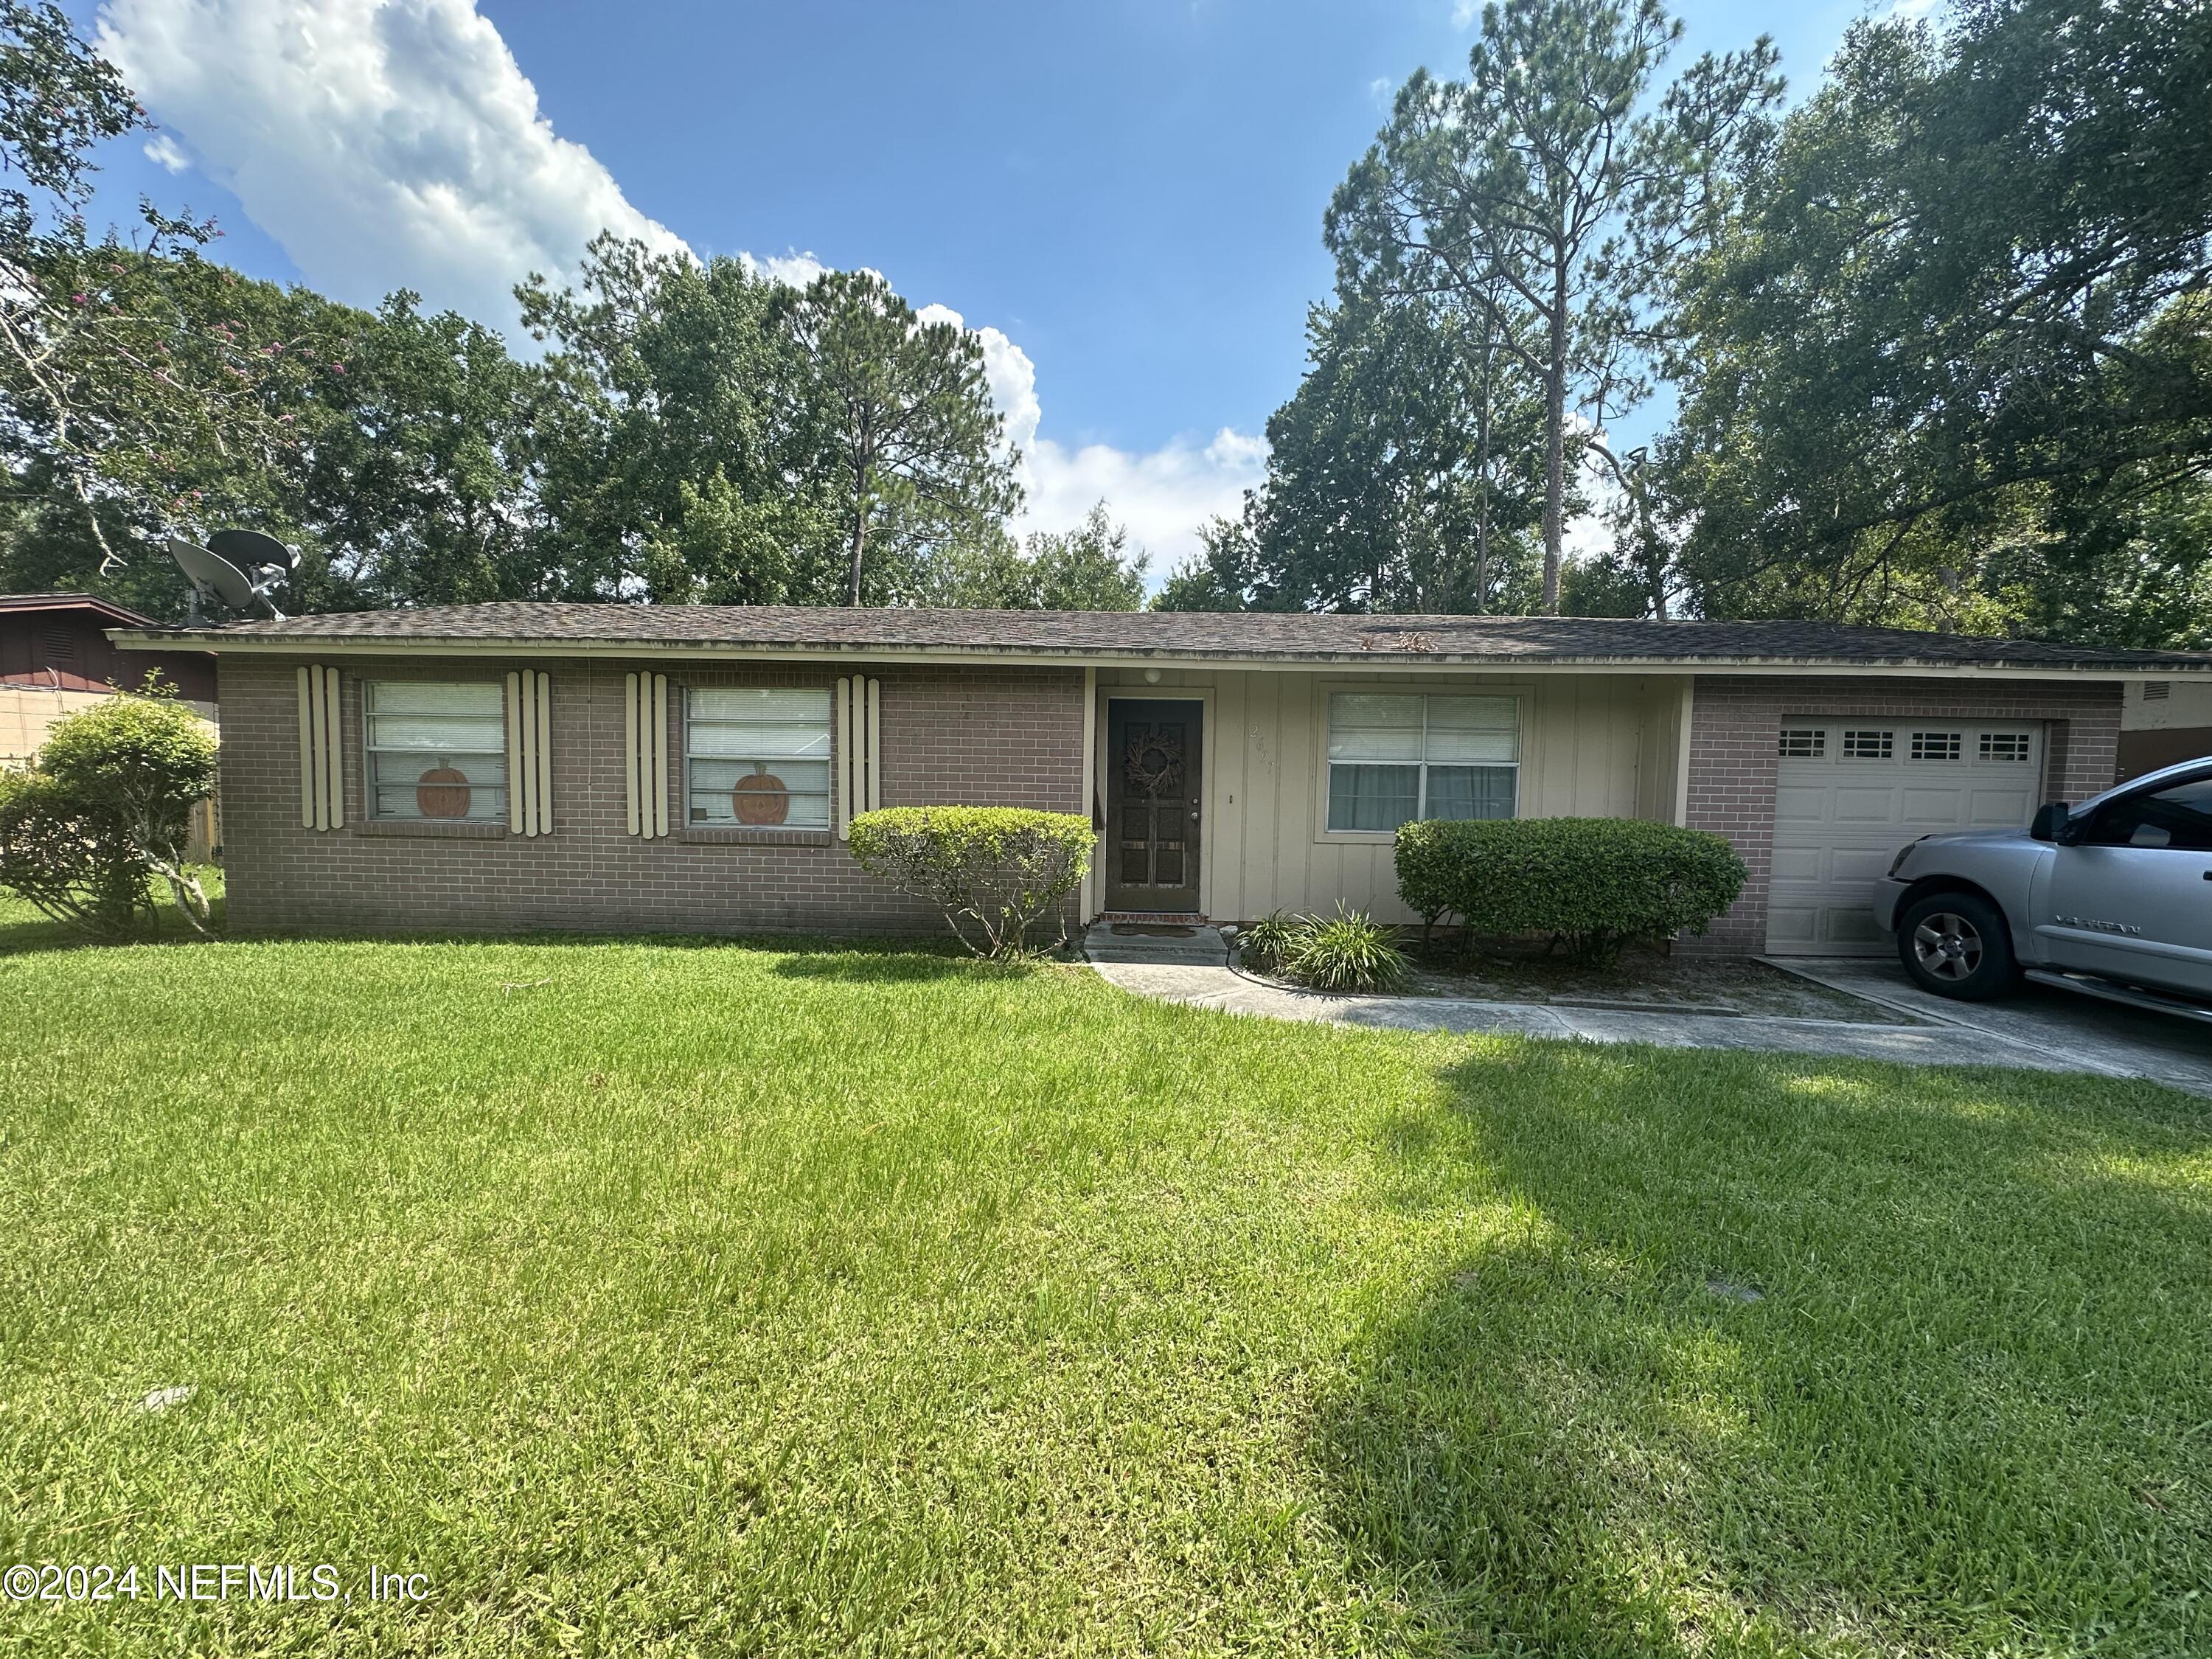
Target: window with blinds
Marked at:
1395, 759
757, 759
436, 750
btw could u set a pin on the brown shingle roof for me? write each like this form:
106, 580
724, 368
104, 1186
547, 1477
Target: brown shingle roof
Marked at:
1259, 636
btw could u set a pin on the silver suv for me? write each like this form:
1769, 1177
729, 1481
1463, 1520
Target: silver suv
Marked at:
2113, 897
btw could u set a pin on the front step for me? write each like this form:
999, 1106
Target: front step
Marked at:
1155, 940
2157, 1002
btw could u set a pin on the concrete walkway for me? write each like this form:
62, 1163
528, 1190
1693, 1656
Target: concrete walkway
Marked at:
2022, 1039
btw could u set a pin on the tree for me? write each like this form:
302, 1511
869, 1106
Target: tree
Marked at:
1951, 365
1086, 569
901, 414
1542, 196
1398, 474
129, 379
418, 486
672, 444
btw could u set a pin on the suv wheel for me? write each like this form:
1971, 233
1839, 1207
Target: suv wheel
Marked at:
1956, 945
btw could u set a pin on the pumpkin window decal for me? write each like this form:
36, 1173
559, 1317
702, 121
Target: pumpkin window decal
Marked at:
760, 797
443, 792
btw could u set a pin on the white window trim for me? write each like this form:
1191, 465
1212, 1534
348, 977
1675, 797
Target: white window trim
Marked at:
1323, 689
369, 752
829, 827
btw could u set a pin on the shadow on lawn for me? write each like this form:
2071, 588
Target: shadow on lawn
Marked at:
24, 931
1960, 1410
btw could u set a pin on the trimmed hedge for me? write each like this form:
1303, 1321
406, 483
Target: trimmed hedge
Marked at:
1593, 884
996, 869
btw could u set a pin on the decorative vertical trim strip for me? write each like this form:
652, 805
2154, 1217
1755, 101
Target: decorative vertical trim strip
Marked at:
632, 795
659, 750
332, 786
309, 768
322, 780
530, 753
516, 741
645, 758
544, 791
846, 757
872, 790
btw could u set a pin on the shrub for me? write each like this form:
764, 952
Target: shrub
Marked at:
105, 806
998, 869
1348, 952
1591, 884
1267, 943
67, 862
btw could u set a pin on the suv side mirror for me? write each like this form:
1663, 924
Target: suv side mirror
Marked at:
2050, 821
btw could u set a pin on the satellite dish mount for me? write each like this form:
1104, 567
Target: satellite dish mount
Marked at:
236, 568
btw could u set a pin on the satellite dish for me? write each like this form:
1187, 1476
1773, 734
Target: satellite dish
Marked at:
249, 549
213, 576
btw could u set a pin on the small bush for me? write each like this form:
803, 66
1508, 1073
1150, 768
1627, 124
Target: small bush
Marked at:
1592, 885
1347, 951
995, 871
105, 806
1267, 943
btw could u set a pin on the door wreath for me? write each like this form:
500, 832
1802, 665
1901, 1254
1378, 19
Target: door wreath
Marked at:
1153, 763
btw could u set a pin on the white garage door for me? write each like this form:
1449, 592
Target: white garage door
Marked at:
1851, 792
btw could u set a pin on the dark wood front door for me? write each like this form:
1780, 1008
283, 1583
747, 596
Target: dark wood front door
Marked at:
1152, 751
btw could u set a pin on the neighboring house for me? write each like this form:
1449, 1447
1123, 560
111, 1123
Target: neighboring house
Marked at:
56, 658
2162, 722
638, 768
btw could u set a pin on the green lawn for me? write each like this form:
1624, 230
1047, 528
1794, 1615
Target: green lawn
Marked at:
668, 1299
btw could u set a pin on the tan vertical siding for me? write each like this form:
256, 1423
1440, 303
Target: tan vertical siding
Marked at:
1585, 741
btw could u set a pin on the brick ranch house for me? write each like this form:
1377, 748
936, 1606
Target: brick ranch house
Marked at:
626, 767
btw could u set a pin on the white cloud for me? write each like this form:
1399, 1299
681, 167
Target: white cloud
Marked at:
1163, 495
387, 145
163, 151
792, 268
1464, 12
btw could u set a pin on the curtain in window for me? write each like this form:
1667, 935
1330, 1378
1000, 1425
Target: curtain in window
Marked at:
1395, 759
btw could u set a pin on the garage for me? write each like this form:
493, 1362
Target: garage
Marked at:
1850, 792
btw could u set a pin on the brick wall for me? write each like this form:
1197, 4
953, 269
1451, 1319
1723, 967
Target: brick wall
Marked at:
977, 736
1734, 726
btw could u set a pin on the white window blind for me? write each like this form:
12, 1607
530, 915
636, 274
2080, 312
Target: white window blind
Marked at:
436, 750
1393, 759
757, 758
322, 771
859, 744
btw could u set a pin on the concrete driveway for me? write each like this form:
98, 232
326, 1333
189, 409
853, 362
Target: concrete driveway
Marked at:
2083, 1033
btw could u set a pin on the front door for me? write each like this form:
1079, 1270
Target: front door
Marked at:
1151, 804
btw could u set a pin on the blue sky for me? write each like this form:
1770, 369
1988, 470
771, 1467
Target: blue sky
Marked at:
1125, 196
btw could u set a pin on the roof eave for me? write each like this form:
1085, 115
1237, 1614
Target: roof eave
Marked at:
294, 644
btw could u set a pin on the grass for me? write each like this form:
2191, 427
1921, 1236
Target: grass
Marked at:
666, 1298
